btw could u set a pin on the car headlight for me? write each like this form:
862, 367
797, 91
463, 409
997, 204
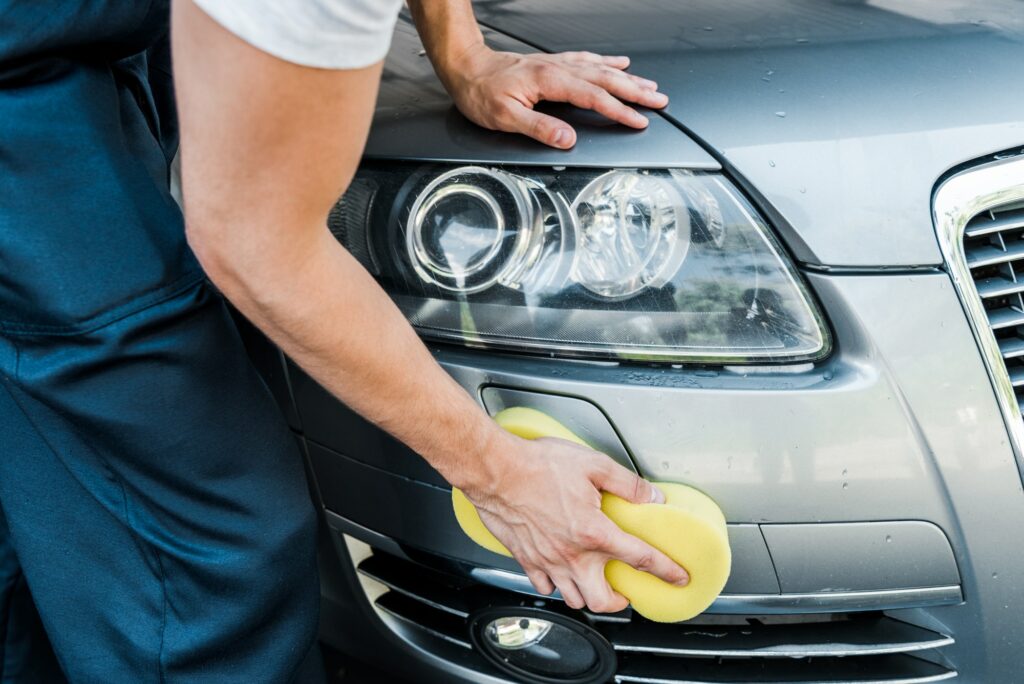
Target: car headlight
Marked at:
654, 265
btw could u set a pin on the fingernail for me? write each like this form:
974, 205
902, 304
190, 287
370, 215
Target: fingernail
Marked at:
683, 582
650, 85
561, 137
659, 99
657, 496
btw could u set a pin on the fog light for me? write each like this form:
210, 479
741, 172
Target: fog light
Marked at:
538, 646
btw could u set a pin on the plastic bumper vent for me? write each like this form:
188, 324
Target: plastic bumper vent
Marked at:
435, 605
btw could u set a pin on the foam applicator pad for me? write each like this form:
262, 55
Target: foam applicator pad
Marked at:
689, 528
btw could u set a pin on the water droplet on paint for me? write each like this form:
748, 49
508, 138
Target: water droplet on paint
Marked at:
846, 485
888, 539
771, 163
665, 465
781, 115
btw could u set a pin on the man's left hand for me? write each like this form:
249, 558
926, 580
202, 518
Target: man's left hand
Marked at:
499, 90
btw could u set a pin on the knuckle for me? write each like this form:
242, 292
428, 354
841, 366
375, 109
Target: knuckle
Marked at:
644, 561
546, 72
593, 536
502, 112
539, 128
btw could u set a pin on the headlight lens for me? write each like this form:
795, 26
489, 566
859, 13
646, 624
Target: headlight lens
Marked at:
633, 231
648, 265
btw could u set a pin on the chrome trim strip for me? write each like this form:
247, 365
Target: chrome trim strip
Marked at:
958, 200
725, 604
812, 651
773, 604
836, 601
632, 679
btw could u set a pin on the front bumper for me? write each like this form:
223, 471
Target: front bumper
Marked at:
903, 454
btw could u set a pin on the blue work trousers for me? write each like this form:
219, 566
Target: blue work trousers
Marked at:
155, 520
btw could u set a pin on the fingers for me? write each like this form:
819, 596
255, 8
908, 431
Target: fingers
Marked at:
583, 57
596, 591
559, 85
613, 478
541, 127
646, 558
616, 62
625, 86
540, 581
570, 593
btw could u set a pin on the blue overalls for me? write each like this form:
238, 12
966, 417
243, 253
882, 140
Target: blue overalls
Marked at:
155, 521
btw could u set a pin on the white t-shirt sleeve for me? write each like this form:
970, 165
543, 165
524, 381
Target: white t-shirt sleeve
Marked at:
329, 34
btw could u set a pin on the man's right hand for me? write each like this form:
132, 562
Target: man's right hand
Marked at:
543, 502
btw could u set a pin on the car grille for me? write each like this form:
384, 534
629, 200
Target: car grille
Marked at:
838, 647
993, 246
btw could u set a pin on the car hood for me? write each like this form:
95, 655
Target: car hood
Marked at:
839, 116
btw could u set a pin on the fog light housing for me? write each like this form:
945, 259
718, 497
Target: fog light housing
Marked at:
539, 646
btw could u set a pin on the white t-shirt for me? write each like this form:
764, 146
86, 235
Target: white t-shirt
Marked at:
330, 34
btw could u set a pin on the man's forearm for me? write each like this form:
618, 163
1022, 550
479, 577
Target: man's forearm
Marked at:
263, 162
448, 30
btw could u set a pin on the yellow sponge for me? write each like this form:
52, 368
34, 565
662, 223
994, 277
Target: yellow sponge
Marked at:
689, 528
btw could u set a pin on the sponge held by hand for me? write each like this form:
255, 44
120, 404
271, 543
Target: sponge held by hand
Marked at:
689, 528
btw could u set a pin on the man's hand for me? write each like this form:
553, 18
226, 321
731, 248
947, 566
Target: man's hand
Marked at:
499, 90
544, 505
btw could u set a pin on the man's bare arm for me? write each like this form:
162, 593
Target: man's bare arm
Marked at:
499, 90
267, 148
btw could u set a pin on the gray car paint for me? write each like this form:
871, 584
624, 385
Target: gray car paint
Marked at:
900, 424
888, 429
880, 98
415, 120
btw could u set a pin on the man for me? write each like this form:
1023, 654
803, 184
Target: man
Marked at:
153, 503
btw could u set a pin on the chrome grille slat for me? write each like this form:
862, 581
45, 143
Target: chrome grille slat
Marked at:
990, 255
1011, 347
990, 288
814, 639
1006, 317
979, 217
889, 669
986, 225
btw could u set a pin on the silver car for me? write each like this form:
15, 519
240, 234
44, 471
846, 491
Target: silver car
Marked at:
800, 290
